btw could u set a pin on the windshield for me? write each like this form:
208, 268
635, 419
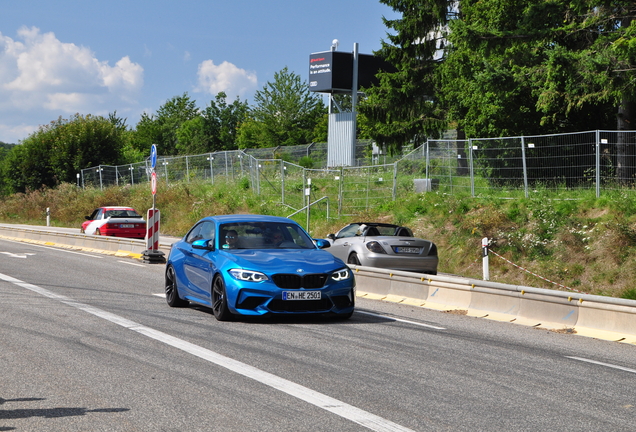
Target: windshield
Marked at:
122, 214
263, 235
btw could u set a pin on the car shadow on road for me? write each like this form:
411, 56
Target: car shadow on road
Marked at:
320, 319
22, 413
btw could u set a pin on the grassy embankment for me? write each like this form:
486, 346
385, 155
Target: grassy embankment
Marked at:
586, 244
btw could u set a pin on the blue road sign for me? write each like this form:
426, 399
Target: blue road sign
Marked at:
153, 155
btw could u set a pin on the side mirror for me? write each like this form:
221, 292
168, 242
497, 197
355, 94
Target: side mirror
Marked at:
322, 243
331, 236
203, 244
87, 217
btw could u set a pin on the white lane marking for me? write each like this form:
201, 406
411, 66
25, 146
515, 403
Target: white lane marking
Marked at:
357, 415
17, 255
402, 320
609, 365
56, 249
131, 263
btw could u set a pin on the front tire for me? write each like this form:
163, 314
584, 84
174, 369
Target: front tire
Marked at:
353, 259
172, 293
98, 232
219, 300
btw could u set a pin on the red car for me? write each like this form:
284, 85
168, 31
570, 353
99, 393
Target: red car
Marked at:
115, 222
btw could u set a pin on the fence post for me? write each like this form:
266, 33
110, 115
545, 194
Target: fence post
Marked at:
427, 157
472, 171
525, 167
598, 163
366, 203
258, 176
282, 181
211, 159
395, 174
340, 191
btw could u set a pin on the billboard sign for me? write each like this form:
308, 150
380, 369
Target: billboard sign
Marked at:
332, 71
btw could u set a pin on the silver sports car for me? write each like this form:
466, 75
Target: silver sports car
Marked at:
385, 246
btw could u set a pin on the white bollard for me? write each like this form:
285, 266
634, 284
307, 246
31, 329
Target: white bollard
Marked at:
484, 254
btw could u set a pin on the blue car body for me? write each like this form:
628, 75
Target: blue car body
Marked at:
271, 266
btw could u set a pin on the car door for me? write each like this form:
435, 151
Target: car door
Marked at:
198, 264
98, 221
344, 241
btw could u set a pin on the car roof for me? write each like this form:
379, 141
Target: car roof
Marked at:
247, 218
116, 208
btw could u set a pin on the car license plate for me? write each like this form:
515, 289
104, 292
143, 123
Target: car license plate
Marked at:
127, 225
301, 295
407, 250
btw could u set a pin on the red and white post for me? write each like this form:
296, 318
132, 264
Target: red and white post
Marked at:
152, 229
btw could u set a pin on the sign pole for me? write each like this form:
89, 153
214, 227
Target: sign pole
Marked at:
152, 254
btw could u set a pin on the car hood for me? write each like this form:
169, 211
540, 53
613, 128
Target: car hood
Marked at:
285, 261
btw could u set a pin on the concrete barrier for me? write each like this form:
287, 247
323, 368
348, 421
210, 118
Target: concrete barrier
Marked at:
594, 316
587, 315
115, 245
607, 318
546, 308
494, 301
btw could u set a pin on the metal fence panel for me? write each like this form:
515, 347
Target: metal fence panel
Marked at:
509, 167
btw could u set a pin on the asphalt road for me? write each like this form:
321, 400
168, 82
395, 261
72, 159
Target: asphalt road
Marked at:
87, 343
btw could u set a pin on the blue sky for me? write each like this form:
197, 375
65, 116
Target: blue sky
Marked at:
58, 58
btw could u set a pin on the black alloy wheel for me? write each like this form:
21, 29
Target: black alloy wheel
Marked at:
172, 294
219, 300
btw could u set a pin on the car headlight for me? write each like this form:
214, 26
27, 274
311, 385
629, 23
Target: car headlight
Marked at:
340, 275
375, 247
247, 275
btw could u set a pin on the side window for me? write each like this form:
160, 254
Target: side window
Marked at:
349, 231
207, 231
100, 214
203, 231
194, 234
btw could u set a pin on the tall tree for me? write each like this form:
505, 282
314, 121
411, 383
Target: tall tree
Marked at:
521, 67
215, 129
223, 121
403, 108
286, 112
58, 151
161, 128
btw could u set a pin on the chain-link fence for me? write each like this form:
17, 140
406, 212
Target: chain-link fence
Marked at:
508, 167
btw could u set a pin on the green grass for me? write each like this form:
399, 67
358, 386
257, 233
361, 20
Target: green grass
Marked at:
573, 239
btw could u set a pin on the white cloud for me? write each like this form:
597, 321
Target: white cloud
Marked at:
42, 75
225, 77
